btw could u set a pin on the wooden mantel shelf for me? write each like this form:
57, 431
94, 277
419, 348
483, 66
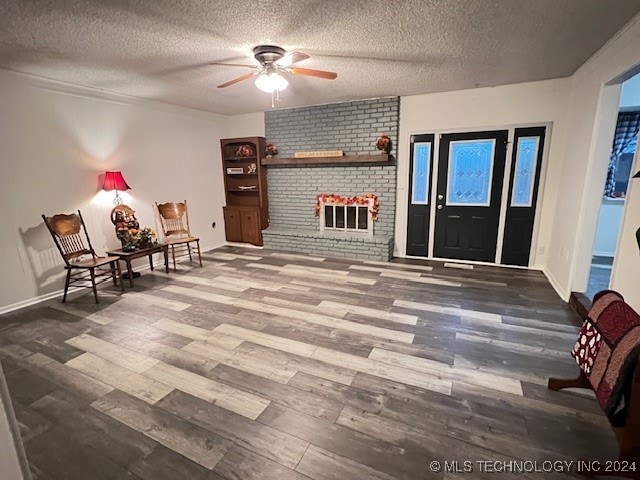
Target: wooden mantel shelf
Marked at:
370, 158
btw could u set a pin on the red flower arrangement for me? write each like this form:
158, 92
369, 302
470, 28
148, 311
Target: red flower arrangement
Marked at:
271, 149
244, 151
333, 198
384, 143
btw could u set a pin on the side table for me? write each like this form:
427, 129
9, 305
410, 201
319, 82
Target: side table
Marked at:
127, 257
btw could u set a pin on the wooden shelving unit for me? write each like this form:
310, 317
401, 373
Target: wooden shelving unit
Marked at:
247, 211
367, 158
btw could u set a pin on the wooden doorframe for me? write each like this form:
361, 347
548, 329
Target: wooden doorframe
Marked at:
505, 189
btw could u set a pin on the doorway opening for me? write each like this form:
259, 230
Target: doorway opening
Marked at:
619, 171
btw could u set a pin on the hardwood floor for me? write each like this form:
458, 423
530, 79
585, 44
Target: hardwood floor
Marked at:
270, 365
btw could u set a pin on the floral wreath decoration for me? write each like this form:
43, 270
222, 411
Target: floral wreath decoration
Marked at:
362, 200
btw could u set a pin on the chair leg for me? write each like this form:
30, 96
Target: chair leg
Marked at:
173, 256
189, 250
199, 256
66, 286
581, 381
119, 271
93, 284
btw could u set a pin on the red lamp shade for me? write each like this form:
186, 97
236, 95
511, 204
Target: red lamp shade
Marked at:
113, 180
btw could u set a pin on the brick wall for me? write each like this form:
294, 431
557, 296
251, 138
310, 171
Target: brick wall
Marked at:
352, 127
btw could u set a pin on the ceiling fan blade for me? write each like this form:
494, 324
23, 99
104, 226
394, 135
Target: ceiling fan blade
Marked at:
291, 58
232, 64
313, 73
246, 76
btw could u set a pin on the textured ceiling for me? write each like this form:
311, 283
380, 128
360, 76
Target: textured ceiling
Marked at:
159, 49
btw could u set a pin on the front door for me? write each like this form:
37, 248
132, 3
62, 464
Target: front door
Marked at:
469, 190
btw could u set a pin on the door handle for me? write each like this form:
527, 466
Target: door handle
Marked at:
439, 207
440, 197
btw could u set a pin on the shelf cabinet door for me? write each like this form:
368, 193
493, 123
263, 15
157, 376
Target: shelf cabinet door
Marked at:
232, 225
250, 226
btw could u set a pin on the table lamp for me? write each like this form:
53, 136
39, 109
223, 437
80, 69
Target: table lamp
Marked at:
113, 180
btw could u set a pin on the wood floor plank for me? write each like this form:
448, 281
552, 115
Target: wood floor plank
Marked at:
308, 365
302, 273
279, 373
431, 281
30, 422
240, 463
371, 312
118, 443
367, 268
359, 448
453, 373
206, 282
381, 369
229, 398
121, 378
327, 286
289, 396
448, 310
234, 256
82, 385
291, 256
288, 312
321, 464
167, 354
113, 353
273, 444
64, 457
405, 266
155, 300
272, 341
165, 464
196, 333
510, 346
99, 318
195, 443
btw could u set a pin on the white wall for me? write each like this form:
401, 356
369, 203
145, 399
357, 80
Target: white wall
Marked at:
534, 103
56, 140
626, 268
609, 221
630, 96
246, 125
592, 112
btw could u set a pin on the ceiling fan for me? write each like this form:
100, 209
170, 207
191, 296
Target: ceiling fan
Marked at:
273, 62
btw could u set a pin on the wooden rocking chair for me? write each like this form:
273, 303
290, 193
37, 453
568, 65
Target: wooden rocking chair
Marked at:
174, 220
84, 268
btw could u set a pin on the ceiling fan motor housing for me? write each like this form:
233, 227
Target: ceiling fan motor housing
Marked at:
267, 54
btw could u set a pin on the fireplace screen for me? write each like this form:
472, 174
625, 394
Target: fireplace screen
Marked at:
349, 218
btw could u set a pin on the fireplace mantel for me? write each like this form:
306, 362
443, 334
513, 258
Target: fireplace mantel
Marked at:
368, 158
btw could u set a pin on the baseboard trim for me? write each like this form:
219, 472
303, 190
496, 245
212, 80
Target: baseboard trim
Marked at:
564, 295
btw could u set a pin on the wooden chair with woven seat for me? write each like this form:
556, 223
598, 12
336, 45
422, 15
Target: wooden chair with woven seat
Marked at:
84, 268
174, 220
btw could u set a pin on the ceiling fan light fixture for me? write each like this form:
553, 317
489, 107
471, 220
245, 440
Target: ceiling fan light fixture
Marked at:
271, 82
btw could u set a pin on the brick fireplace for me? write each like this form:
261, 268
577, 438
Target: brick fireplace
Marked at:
352, 127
